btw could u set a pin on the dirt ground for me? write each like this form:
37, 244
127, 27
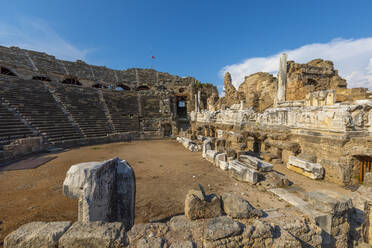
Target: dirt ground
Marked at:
165, 171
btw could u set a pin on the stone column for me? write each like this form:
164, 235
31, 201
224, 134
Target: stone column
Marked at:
198, 101
282, 78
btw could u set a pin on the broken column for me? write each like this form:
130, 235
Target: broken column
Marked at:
282, 78
106, 191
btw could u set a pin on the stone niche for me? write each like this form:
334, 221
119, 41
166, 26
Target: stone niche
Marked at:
106, 191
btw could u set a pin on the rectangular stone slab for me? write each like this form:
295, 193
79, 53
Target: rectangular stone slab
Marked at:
241, 172
311, 170
257, 163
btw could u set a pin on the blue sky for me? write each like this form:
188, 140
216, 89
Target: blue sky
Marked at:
196, 38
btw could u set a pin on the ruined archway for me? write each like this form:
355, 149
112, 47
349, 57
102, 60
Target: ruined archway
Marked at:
71, 81
142, 87
99, 86
181, 106
6, 71
41, 78
362, 165
123, 87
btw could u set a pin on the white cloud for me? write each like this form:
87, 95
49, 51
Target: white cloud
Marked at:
37, 35
353, 59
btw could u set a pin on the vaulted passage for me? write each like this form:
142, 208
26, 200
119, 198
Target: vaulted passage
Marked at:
73, 81
142, 87
123, 87
6, 71
181, 106
41, 78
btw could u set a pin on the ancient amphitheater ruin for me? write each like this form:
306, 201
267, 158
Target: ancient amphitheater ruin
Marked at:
283, 161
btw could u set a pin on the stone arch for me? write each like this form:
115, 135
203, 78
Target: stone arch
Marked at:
123, 86
41, 78
99, 86
6, 71
311, 81
142, 87
72, 81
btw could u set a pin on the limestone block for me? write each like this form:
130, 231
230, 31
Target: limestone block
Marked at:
222, 227
211, 155
241, 172
329, 202
151, 242
237, 207
200, 206
368, 179
106, 191
221, 158
256, 163
94, 235
224, 165
311, 170
206, 146
183, 244
37, 234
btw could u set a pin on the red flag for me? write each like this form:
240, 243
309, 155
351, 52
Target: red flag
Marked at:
153, 57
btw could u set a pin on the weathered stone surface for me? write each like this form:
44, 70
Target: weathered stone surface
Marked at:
328, 202
106, 190
368, 179
311, 170
183, 244
274, 179
256, 163
222, 227
211, 155
241, 172
143, 230
239, 208
199, 206
94, 234
37, 234
150, 242
206, 147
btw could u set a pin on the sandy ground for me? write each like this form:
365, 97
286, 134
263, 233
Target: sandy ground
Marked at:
165, 171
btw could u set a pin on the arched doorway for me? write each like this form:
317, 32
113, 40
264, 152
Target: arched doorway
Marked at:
182, 106
6, 71
142, 87
122, 86
41, 78
365, 165
99, 86
72, 81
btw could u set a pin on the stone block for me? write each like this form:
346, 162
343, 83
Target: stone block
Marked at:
206, 147
329, 202
211, 155
237, 207
200, 206
311, 170
241, 172
222, 227
37, 234
285, 155
94, 235
106, 191
256, 163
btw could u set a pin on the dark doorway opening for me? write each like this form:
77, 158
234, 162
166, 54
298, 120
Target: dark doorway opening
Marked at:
256, 146
6, 71
142, 87
99, 86
167, 130
41, 78
181, 106
122, 86
72, 81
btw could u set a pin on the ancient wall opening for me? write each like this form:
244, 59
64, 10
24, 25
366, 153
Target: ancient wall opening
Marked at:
41, 78
6, 71
71, 81
99, 86
142, 87
181, 106
167, 130
122, 87
362, 166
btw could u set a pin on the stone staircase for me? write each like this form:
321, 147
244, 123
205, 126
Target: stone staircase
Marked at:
11, 128
37, 106
85, 108
123, 110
